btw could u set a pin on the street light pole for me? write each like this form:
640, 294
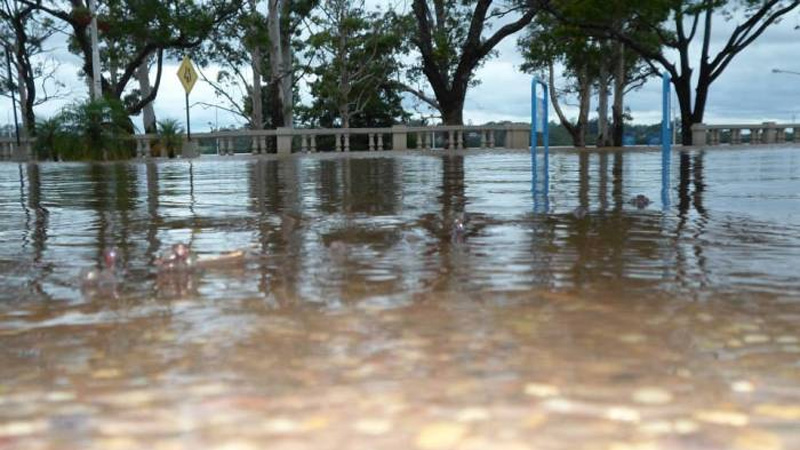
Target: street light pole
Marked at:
13, 96
97, 86
789, 72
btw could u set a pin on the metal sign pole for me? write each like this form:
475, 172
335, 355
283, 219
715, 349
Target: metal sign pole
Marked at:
188, 77
13, 97
188, 123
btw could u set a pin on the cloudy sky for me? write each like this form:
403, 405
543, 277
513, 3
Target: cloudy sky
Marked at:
748, 91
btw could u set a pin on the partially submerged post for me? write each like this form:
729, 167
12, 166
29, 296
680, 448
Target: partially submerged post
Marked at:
666, 139
540, 183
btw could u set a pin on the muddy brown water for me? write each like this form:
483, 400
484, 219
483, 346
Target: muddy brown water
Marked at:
357, 320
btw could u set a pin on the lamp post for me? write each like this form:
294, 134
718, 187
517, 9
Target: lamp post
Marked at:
97, 87
13, 96
789, 72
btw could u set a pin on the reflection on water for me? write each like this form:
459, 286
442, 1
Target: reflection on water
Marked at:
364, 315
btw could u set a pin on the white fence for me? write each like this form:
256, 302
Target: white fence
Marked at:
765, 133
291, 140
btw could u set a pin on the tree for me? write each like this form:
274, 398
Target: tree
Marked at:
449, 36
257, 116
546, 43
234, 47
240, 42
589, 60
133, 32
357, 53
678, 26
23, 32
284, 18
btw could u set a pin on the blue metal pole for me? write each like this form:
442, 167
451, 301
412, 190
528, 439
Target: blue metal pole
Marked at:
546, 133
540, 182
666, 140
534, 107
666, 135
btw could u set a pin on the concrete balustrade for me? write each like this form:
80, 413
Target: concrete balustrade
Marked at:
285, 141
289, 140
10, 151
765, 133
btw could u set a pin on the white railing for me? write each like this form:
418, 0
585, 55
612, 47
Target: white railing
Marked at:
765, 133
10, 150
289, 140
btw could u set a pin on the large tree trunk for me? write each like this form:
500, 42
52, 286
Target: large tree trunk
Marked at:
617, 111
452, 108
26, 87
585, 94
450, 83
602, 106
148, 113
287, 78
280, 60
257, 117
683, 90
577, 131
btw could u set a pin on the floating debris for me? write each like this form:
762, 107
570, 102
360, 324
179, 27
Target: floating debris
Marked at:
640, 201
541, 390
652, 396
742, 386
580, 212
372, 427
440, 435
722, 417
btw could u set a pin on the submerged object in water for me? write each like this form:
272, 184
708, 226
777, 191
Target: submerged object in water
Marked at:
180, 258
177, 258
103, 279
640, 201
224, 260
458, 232
580, 212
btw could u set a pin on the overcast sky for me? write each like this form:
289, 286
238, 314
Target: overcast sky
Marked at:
747, 92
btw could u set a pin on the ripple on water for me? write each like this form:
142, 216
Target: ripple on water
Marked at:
357, 318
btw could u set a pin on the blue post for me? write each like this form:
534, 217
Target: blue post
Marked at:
546, 131
666, 139
534, 118
540, 193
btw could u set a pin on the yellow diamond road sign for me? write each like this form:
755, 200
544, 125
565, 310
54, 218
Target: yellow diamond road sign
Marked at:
187, 74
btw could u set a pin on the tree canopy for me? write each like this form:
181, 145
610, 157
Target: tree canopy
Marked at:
680, 27
345, 63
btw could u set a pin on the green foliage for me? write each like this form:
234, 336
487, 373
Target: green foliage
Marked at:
89, 130
53, 141
229, 46
354, 83
170, 136
134, 31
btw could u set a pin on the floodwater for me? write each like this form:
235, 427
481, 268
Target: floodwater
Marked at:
361, 318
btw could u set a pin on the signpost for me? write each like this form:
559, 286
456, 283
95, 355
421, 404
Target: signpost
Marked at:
188, 77
11, 89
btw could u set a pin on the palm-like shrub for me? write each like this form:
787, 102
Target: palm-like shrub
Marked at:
90, 130
54, 141
170, 136
103, 127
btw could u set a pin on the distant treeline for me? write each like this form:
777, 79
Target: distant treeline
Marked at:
359, 65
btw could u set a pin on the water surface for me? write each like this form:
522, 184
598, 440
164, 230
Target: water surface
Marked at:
357, 320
